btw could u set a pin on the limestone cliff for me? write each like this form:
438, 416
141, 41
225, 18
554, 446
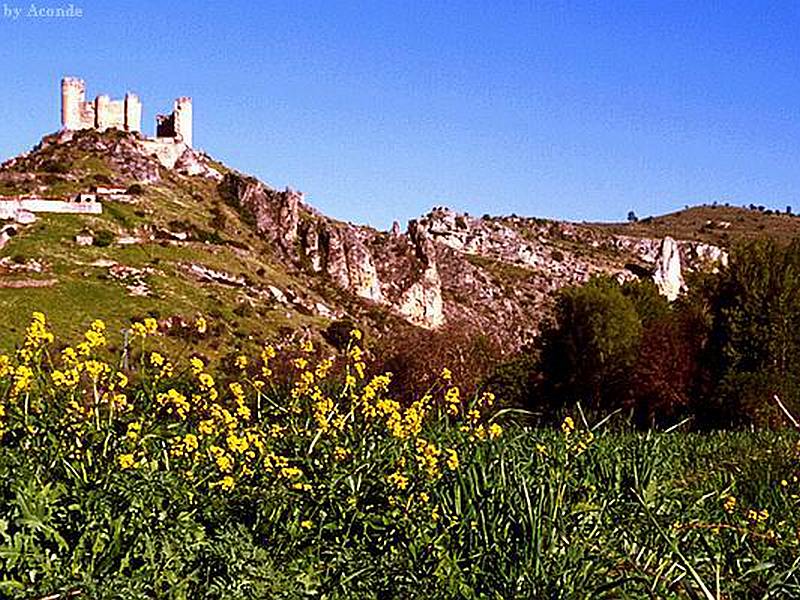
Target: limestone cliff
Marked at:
495, 275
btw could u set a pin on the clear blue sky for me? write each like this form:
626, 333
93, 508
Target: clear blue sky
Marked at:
380, 110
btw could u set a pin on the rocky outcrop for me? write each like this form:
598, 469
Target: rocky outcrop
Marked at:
421, 303
193, 163
341, 251
668, 275
348, 255
496, 274
274, 214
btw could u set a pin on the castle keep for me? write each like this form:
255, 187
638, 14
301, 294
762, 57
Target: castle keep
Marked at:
126, 114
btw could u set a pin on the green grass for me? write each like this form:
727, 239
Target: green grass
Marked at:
176, 203
702, 223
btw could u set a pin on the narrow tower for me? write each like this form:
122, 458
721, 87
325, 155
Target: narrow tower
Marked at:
73, 95
102, 114
183, 120
133, 113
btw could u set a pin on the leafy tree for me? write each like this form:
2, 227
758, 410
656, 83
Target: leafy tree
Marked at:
591, 345
757, 323
650, 305
664, 380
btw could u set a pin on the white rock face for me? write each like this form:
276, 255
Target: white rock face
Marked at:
711, 255
668, 276
422, 303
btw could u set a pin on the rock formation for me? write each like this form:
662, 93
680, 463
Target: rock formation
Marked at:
668, 276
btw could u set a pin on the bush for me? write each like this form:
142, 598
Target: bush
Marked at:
337, 334
587, 351
56, 166
416, 357
103, 238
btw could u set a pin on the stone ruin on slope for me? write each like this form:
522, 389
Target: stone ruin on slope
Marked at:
173, 132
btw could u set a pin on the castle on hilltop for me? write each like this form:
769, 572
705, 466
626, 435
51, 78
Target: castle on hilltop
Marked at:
104, 113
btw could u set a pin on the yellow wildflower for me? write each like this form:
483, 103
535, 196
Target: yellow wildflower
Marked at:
190, 442
196, 365
568, 425
134, 429
398, 480
453, 399
729, 504
201, 325
452, 459
226, 483
151, 325
237, 444
126, 461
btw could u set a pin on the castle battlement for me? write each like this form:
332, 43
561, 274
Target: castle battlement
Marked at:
126, 114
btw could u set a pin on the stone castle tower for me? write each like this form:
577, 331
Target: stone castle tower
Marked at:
126, 114
101, 113
177, 125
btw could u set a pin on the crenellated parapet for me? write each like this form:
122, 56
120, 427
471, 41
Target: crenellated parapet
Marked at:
101, 113
126, 114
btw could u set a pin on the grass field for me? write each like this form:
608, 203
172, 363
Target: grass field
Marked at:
291, 474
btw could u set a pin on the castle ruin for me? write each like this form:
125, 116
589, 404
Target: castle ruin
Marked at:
178, 124
104, 113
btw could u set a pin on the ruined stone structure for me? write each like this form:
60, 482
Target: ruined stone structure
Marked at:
101, 113
177, 125
104, 113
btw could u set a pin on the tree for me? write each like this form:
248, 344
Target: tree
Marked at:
632, 218
650, 305
663, 382
592, 343
756, 332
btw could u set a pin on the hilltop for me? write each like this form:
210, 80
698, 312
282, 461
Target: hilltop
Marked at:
202, 238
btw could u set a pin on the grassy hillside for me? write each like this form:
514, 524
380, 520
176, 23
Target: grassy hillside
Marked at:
714, 224
77, 280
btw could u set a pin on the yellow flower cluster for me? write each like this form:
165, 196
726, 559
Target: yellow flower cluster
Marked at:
201, 325
578, 440
729, 504
37, 336
223, 433
173, 402
452, 399
428, 458
142, 329
758, 516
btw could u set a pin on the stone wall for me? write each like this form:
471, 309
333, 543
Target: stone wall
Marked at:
101, 113
167, 150
10, 208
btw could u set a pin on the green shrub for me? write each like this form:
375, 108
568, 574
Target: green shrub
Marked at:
103, 238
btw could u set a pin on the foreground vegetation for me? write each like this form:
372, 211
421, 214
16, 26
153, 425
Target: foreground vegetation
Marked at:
293, 474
